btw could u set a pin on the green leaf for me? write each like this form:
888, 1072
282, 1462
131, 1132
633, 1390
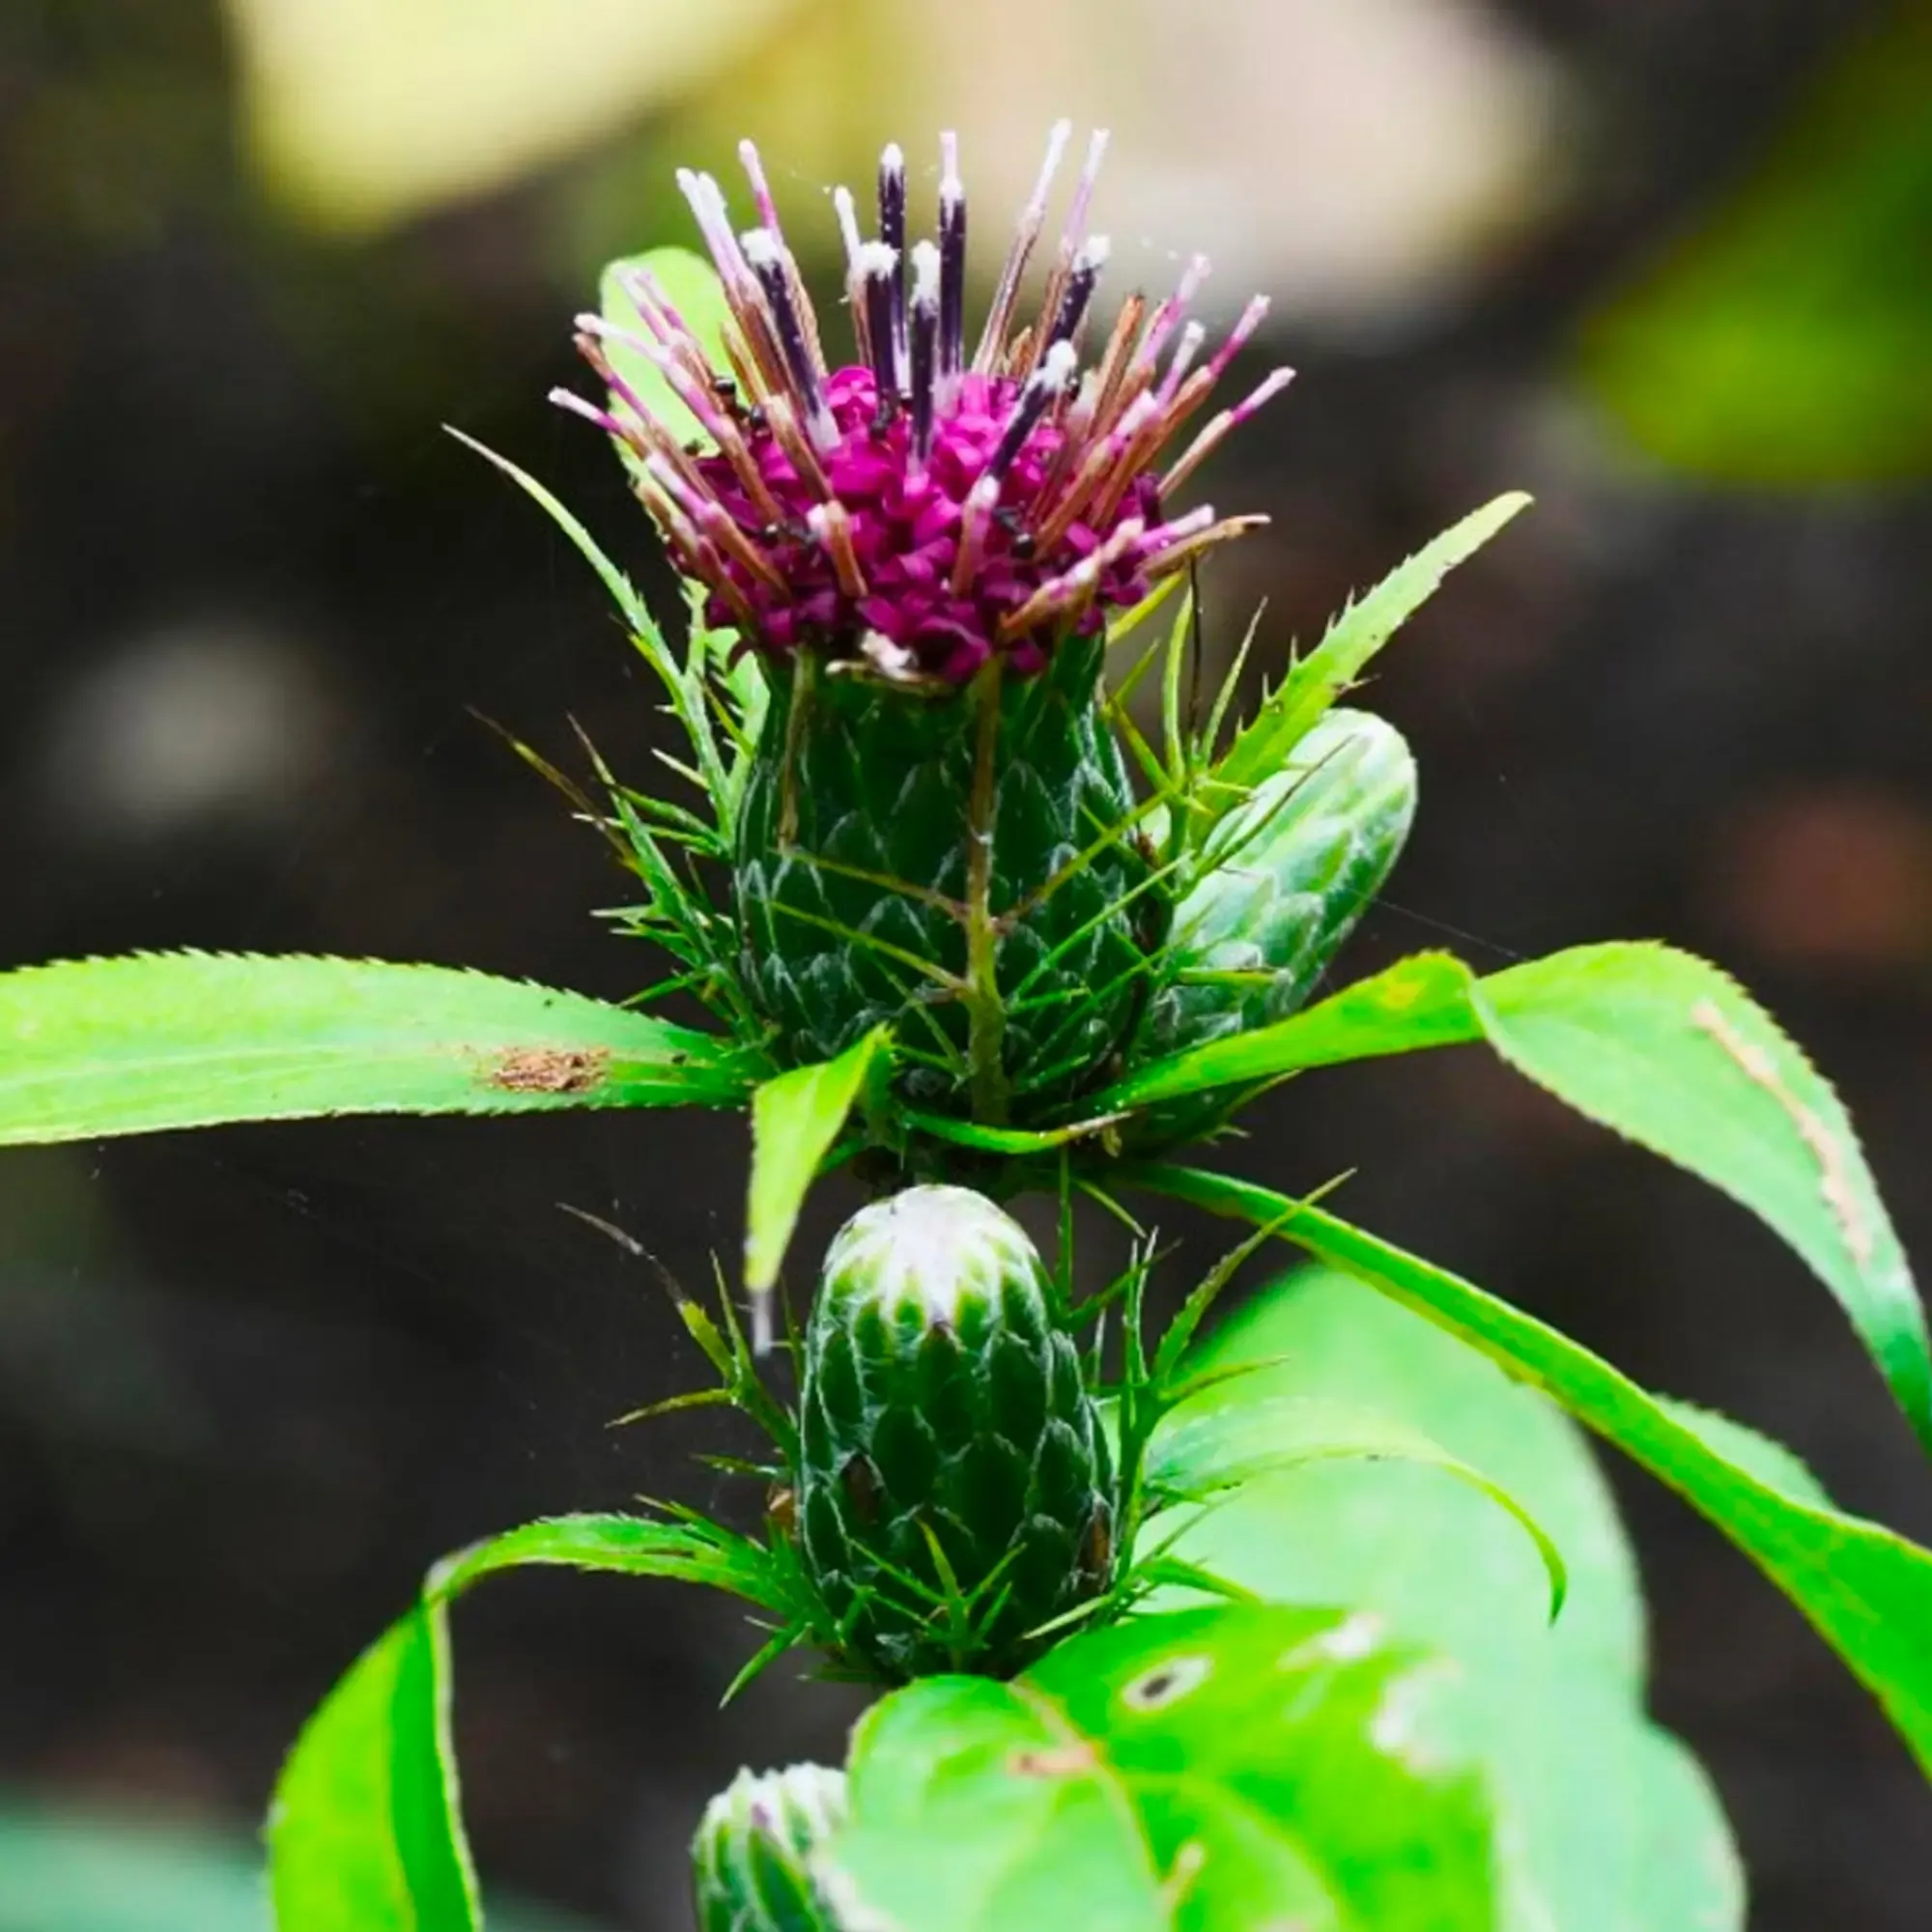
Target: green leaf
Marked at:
1663, 1049
1314, 682
1421, 1001
1865, 1589
695, 291
185, 1040
1239, 1766
795, 1119
1607, 1824
1230, 1438
1672, 1054
365, 1833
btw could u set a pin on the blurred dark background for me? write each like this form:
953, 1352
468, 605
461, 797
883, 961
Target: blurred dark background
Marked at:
1662, 262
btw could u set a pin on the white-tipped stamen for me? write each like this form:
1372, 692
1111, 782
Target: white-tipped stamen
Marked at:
610, 425
1240, 336
848, 211
761, 188
1192, 339
893, 233
1077, 293
1218, 430
878, 279
1046, 386
924, 353
1072, 234
951, 268
1167, 317
771, 262
1033, 218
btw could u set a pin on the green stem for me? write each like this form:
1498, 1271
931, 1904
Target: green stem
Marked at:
986, 1017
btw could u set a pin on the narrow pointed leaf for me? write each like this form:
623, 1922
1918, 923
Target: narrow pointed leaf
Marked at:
795, 1119
1248, 1765
1865, 1589
1419, 1002
120, 1046
1314, 682
365, 1833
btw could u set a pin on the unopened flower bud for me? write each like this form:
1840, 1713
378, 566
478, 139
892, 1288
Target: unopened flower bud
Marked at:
954, 1494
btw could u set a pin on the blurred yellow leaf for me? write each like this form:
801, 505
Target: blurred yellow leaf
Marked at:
361, 113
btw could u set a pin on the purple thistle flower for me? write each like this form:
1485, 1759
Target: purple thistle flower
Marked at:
912, 512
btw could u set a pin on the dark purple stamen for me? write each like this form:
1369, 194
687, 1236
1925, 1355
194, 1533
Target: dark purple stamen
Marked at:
1047, 382
893, 233
879, 270
951, 260
766, 254
925, 312
1081, 282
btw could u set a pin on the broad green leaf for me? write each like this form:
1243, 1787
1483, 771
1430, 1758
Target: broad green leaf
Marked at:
795, 1119
1204, 1769
1672, 1054
1606, 1823
365, 1833
91, 1871
93, 1047
1666, 1050
691, 283
1333, 667
1864, 1588
1421, 1001
1228, 1439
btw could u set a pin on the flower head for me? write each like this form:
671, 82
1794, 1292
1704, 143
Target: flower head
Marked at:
922, 509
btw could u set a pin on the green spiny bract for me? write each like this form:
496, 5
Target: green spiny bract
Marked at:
954, 1490
1285, 875
752, 1858
855, 883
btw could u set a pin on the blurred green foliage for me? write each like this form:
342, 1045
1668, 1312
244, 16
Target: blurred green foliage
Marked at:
1787, 341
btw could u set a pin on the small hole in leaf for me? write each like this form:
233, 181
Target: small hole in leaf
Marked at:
1167, 1683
